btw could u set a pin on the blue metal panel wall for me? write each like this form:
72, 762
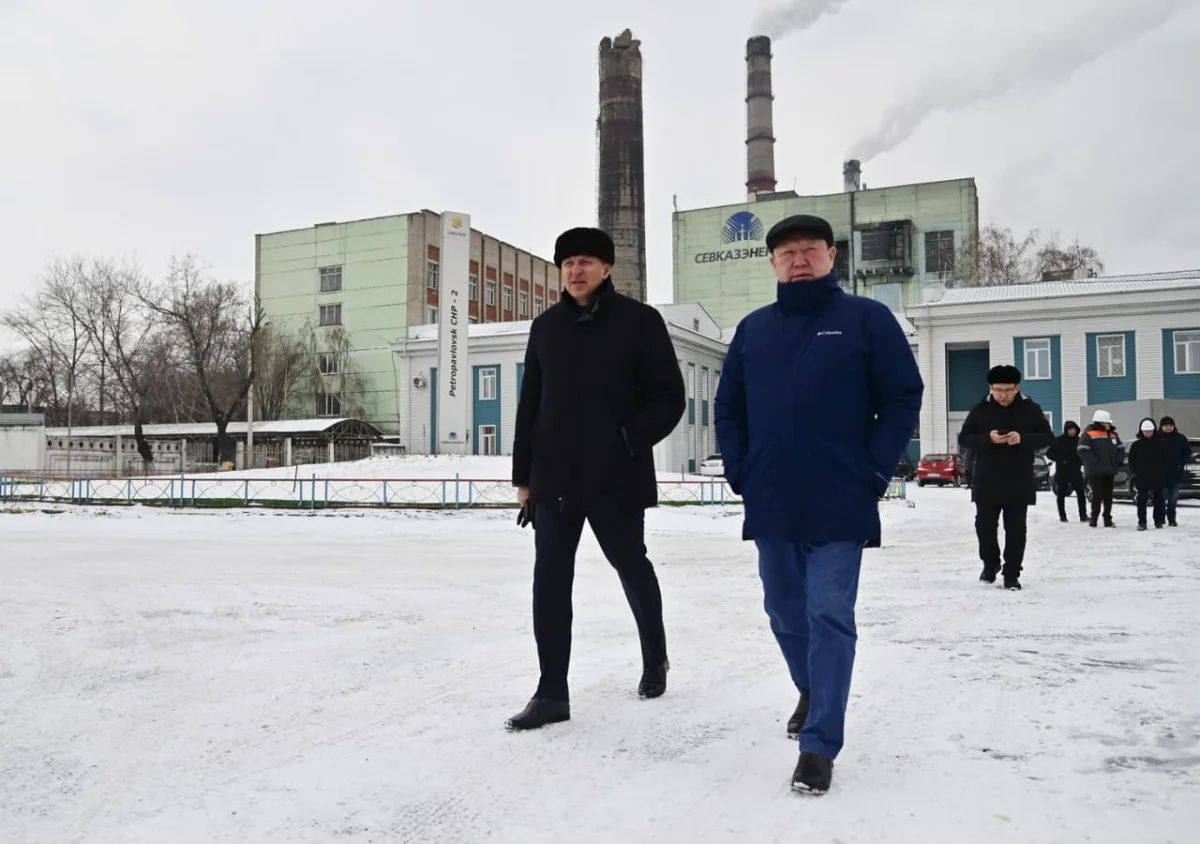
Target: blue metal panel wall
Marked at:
966, 378
1046, 392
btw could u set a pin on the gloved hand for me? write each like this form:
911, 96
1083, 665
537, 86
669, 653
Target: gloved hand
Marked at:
525, 516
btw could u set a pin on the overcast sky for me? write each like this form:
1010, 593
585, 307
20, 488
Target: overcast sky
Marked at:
151, 127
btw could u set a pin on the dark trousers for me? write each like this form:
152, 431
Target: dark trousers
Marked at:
621, 535
809, 593
1172, 501
1064, 486
1102, 496
987, 527
1159, 494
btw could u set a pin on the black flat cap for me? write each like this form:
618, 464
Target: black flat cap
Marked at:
595, 243
799, 224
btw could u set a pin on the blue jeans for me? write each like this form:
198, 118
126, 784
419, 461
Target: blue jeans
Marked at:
1172, 500
809, 594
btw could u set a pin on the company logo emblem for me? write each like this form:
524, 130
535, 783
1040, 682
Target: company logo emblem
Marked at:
456, 222
742, 226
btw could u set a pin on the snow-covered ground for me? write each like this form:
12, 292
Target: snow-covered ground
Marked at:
262, 676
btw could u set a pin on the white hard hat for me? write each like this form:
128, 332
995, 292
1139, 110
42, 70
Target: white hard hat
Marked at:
1102, 416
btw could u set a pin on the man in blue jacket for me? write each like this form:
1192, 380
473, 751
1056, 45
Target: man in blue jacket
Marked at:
819, 396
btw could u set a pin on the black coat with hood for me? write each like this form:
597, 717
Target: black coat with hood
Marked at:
1003, 474
1149, 459
1064, 452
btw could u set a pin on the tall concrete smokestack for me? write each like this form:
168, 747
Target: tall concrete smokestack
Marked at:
760, 132
621, 181
852, 175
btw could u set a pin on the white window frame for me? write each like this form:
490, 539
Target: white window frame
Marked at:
1033, 373
1049, 414
431, 275
1187, 347
329, 363
328, 405
523, 303
507, 295
487, 384
334, 309
329, 279
537, 306
487, 440
489, 292
473, 288
1100, 373
431, 315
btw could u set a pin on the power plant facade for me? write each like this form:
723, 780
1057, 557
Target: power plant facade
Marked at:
621, 177
892, 242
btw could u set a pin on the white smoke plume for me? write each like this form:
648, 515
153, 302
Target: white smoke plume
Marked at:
1042, 61
796, 16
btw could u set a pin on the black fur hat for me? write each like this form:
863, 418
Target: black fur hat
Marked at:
1004, 374
594, 243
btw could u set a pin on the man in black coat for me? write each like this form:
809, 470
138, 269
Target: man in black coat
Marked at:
1149, 458
602, 387
1068, 471
1004, 431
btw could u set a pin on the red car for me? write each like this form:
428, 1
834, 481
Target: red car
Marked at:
941, 469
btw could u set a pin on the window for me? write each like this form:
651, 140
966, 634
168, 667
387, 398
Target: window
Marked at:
431, 275
1110, 356
523, 302
472, 320
508, 298
431, 316
487, 384
883, 243
487, 439
489, 290
329, 363
330, 314
328, 404
537, 306
841, 260
331, 279
1187, 352
691, 380
695, 324
1037, 359
1049, 418
888, 294
939, 252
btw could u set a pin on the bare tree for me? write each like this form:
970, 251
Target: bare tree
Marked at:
331, 372
1057, 262
218, 325
281, 366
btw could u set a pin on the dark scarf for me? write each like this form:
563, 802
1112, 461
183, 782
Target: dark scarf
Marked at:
807, 297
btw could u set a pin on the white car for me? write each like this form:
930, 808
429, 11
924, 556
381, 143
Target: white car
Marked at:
712, 465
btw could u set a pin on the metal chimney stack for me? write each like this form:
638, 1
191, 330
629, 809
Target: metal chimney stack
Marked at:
852, 175
760, 133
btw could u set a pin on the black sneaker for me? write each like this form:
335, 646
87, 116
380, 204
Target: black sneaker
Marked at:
813, 774
538, 713
654, 681
796, 723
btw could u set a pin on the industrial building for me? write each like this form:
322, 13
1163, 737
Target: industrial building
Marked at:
496, 360
894, 243
1077, 343
349, 289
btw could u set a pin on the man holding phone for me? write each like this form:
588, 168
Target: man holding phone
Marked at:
1004, 431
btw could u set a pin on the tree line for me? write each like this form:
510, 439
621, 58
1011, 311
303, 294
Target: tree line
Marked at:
102, 343
997, 258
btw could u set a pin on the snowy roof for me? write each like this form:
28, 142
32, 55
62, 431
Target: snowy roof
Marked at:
209, 429
1183, 280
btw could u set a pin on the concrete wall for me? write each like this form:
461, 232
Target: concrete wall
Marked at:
22, 448
725, 268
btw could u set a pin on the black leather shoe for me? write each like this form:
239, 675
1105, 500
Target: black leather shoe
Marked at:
539, 713
654, 681
796, 722
813, 774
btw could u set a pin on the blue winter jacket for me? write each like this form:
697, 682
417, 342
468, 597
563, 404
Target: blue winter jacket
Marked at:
819, 397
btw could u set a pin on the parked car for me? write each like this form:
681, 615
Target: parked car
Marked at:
712, 465
1189, 489
905, 469
941, 469
1041, 471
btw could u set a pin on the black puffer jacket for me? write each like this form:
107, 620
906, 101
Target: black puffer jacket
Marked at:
1149, 460
1003, 474
1064, 452
1101, 450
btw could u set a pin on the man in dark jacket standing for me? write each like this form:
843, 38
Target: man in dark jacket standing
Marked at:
1103, 454
602, 387
819, 396
1149, 456
1004, 431
1181, 454
1068, 471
